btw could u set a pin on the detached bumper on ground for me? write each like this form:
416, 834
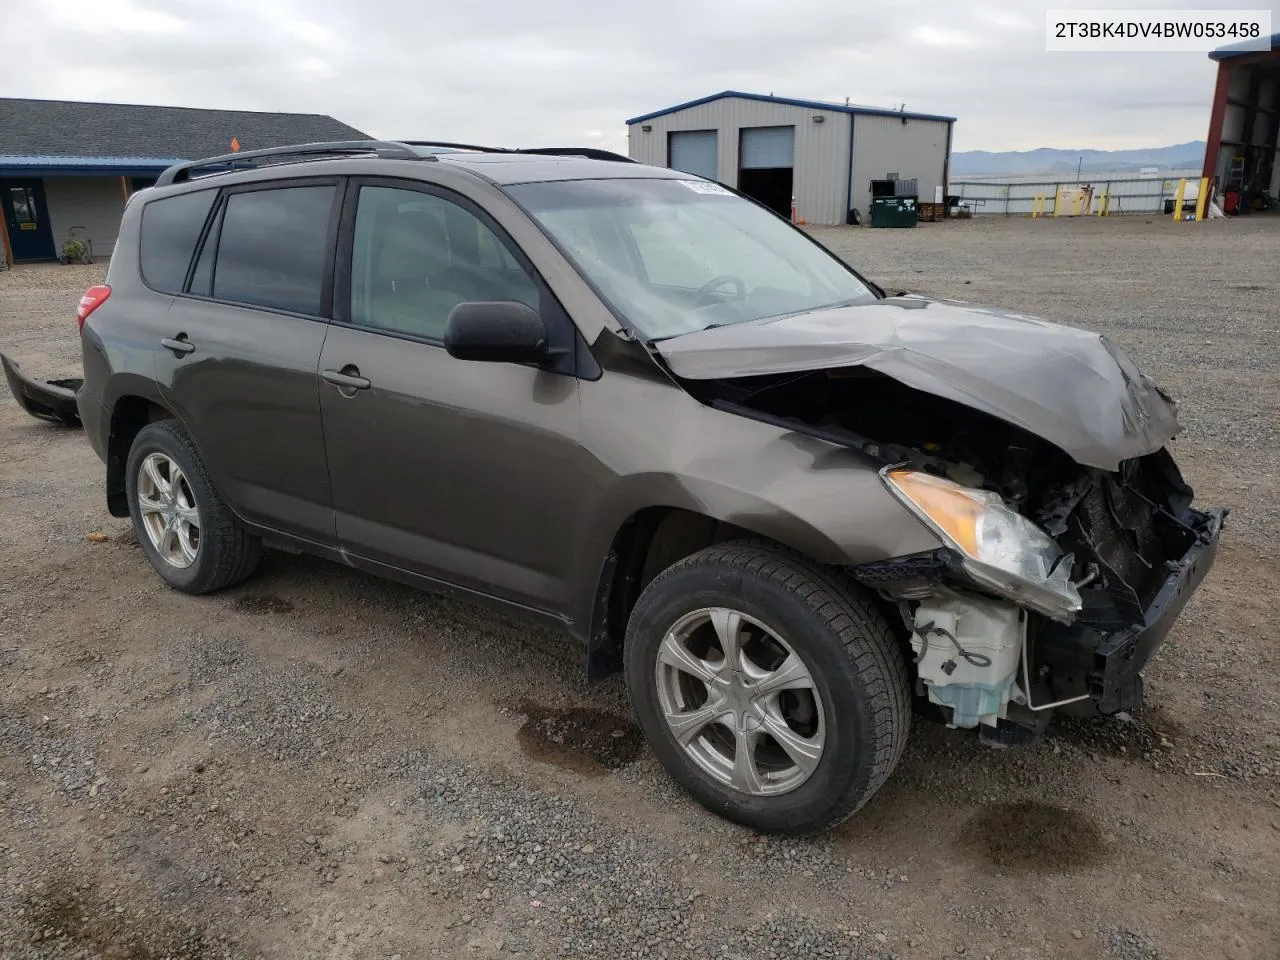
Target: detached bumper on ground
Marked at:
51, 400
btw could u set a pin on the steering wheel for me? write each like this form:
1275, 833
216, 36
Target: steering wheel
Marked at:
703, 297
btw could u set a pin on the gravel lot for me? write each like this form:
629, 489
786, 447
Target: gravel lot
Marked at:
321, 765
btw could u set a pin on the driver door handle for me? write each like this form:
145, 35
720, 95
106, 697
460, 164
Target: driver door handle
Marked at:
180, 345
348, 378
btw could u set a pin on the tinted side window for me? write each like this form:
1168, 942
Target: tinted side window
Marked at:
272, 248
416, 256
170, 228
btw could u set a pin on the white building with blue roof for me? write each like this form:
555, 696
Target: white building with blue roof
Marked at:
825, 155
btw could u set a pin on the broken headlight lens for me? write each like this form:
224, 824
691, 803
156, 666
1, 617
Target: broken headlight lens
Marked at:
1003, 550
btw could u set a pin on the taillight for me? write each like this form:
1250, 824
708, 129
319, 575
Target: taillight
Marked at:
93, 298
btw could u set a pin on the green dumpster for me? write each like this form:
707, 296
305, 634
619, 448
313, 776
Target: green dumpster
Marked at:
894, 212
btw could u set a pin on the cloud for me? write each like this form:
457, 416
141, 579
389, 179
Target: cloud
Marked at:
569, 72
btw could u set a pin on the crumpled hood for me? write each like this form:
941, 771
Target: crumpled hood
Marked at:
1070, 387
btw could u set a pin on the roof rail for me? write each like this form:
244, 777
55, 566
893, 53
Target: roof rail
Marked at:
389, 149
455, 146
590, 153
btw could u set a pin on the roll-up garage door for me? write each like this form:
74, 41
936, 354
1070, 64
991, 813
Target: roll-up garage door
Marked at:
768, 148
694, 151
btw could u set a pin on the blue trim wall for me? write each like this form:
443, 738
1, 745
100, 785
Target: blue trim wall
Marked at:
6, 171
788, 101
54, 166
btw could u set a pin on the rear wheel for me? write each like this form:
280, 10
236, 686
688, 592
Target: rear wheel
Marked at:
186, 530
772, 690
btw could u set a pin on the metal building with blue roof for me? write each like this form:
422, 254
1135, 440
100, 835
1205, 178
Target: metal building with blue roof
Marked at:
67, 168
823, 154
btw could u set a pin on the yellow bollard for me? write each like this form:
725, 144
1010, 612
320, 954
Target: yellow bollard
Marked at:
1202, 198
1177, 200
1057, 201
1037, 206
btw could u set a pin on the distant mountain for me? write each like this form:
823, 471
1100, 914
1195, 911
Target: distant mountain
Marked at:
1180, 156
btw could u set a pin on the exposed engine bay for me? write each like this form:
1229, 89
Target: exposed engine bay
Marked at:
1128, 541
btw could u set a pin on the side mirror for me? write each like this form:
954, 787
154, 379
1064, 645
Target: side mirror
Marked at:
502, 331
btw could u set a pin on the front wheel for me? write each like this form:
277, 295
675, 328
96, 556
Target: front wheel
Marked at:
773, 691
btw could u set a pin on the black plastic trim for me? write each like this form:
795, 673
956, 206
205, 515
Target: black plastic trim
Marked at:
1120, 657
50, 400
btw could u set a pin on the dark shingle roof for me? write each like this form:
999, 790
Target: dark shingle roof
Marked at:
67, 128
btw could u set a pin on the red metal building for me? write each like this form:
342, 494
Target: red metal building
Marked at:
1244, 126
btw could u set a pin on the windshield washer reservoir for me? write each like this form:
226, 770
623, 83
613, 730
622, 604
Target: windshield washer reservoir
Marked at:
967, 651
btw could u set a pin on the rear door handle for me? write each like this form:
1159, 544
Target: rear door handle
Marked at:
180, 345
346, 379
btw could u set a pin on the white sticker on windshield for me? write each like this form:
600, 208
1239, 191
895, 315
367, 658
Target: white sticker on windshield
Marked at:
702, 186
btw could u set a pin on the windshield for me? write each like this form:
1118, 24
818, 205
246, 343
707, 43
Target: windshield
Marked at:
675, 256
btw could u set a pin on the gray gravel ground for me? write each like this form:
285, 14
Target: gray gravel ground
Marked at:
321, 765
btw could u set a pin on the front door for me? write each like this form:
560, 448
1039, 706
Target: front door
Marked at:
26, 217
464, 472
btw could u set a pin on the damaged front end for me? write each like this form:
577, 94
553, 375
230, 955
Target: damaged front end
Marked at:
1056, 580
1071, 630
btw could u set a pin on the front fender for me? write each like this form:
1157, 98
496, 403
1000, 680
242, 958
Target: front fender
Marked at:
817, 497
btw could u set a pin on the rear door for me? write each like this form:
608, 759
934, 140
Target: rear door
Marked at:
464, 472
238, 361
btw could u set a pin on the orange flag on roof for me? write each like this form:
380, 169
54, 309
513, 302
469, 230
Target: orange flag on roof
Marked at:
235, 145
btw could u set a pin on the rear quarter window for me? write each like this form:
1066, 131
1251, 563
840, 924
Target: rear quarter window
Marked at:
170, 229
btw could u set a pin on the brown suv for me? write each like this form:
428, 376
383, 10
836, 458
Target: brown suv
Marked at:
638, 406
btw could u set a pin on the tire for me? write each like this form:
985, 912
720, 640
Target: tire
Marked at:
224, 552
858, 689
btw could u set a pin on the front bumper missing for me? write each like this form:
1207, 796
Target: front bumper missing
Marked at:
1118, 661
1108, 664
1092, 665
51, 400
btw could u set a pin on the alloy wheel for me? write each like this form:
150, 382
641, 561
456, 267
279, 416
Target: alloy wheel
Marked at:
740, 701
168, 509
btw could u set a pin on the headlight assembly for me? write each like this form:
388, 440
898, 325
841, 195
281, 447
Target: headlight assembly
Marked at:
1002, 550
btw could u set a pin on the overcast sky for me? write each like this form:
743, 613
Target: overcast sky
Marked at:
570, 72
